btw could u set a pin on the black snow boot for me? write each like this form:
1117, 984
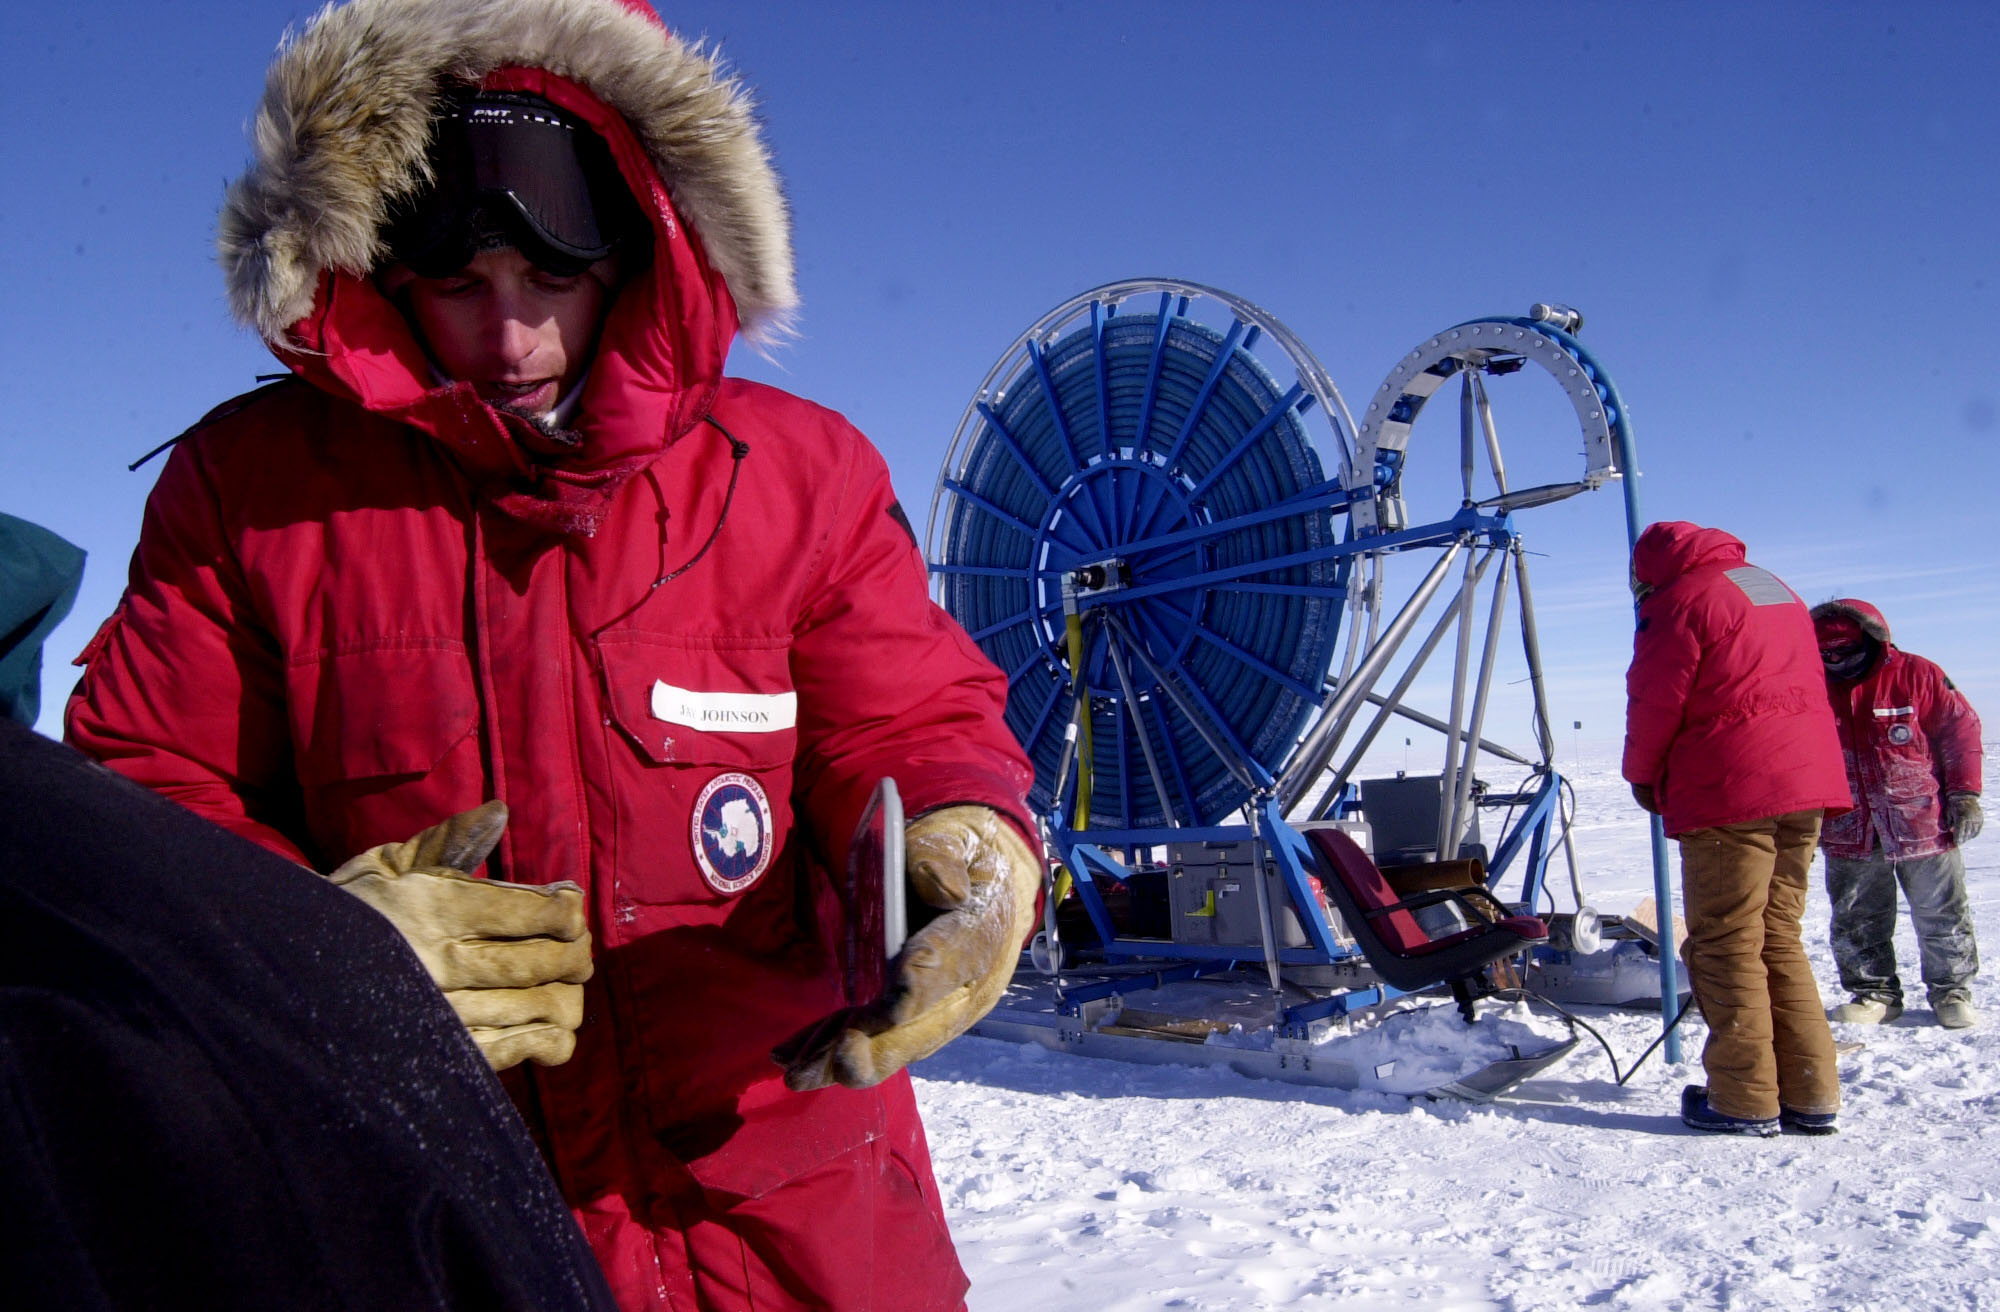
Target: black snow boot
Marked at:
1697, 1114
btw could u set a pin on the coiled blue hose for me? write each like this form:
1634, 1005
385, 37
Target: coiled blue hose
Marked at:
1131, 429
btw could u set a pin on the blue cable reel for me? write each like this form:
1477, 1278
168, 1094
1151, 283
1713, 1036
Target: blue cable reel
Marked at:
1133, 463
1153, 517
1135, 523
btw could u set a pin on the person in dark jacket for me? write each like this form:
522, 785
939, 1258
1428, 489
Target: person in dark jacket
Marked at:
1912, 746
511, 533
39, 576
1728, 738
225, 1083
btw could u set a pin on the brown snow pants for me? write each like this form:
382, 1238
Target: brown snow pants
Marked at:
1768, 1041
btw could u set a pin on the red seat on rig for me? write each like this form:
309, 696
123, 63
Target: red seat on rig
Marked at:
1396, 947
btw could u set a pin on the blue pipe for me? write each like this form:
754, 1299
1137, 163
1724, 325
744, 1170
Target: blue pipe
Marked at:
1663, 885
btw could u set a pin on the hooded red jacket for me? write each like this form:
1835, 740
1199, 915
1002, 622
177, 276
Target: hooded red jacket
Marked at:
1726, 716
683, 657
1910, 740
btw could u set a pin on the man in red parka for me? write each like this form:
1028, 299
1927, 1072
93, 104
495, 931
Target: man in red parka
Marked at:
1728, 739
1912, 746
510, 535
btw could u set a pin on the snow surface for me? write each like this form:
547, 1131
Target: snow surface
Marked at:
1083, 1185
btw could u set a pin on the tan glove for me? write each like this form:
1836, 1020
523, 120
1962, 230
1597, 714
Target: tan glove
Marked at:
510, 958
973, 865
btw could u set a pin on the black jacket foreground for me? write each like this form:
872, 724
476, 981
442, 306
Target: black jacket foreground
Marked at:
227, 1084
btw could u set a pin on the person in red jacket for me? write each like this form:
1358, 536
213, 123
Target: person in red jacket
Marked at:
1729, 740
1913, 764
509, 536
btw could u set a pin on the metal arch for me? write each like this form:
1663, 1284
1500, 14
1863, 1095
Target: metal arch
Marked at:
1385, 428
1016, 361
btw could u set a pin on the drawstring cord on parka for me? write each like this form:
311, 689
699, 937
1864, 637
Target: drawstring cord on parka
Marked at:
738, 449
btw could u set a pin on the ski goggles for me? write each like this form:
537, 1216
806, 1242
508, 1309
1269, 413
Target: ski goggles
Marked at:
513, 170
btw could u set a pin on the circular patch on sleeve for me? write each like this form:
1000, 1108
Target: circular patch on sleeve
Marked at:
732, 832
1900, 734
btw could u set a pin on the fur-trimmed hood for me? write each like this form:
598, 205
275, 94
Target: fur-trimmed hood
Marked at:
342, 130
1859, 612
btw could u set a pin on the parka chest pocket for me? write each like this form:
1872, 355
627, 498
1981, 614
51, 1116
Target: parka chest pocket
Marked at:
376, 709
702, 802
1896, 727
716, 701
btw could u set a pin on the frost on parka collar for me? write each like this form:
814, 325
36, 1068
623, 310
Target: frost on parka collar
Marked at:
1673, 547
341, 133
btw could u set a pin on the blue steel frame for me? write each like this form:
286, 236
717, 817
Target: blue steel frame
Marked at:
1087, 853
1102, 648
1090, 853
1124, 501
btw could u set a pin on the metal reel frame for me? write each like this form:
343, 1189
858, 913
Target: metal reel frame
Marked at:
1066, 584
1157, 476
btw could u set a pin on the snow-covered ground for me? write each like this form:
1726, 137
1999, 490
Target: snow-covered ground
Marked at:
1081, 1185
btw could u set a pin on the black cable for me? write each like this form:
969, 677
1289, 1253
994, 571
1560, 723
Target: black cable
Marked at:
1591, 1030
222, 411
1656, 1042
167, 445
1566, 815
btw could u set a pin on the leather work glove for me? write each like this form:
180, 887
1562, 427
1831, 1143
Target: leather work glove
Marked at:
1643, 795
971, 864
510, 958
1963, 816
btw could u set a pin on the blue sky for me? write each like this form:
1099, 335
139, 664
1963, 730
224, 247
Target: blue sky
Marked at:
1778, 220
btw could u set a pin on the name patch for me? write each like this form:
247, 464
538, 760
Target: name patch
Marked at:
725, 712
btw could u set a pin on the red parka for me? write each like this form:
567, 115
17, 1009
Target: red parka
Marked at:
683, 657
1726, 716
1911, 740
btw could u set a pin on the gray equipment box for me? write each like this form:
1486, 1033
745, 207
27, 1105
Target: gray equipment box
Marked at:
1403, 813
1212, 897
1212, 894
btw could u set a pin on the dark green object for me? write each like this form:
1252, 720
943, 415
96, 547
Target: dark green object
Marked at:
39, 575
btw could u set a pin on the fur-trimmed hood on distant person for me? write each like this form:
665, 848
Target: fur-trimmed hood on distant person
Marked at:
1860, 614
346, 115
